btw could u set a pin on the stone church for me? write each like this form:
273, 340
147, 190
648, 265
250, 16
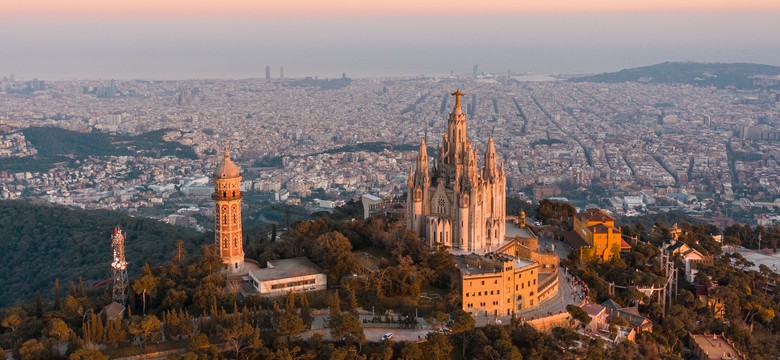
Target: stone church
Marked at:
454, 202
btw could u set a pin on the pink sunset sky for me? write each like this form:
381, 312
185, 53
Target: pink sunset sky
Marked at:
175, 39
265, 8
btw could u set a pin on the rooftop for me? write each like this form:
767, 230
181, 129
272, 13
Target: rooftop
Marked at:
512, 231
286, 268
716, 346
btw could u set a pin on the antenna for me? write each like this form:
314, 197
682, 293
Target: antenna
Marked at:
119, 267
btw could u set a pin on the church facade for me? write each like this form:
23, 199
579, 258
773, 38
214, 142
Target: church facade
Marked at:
454, 202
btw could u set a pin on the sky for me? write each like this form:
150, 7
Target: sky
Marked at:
177, 39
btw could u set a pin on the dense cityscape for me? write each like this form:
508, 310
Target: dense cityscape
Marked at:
627, 147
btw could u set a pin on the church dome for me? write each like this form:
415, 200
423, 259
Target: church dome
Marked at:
226, 168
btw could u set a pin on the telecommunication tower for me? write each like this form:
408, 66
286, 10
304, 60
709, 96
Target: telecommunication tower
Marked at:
119, 266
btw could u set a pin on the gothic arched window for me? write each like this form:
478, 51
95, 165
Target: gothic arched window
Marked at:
225, 243
235, 242
441, 204
235, 218
224, 219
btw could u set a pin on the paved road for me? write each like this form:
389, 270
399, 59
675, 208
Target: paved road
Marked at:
375, 334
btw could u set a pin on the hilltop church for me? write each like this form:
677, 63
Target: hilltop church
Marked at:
453, 202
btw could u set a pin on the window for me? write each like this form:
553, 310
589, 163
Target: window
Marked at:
441, 203
483, 282
491, 292
235, 242
498, 292
467, 294
235, 218
224, 219
225, 243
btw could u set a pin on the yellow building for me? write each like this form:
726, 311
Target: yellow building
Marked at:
596, 235
497, 284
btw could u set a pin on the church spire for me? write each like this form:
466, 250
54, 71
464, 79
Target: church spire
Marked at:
490, 171
422, 176
457, 94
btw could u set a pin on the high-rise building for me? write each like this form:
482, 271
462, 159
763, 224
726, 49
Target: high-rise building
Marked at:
227, 213
267, 73
453, 202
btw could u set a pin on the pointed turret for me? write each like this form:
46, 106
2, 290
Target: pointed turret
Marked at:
422, 176
490, 171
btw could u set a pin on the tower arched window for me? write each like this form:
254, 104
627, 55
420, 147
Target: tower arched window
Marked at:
224, 219
225, 243
234, 194
235, 218
224, 194
235, 242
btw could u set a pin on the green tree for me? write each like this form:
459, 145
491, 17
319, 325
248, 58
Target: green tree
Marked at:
33, 349
578, 314
146, 284
59, 330
462, 323
348, 327
437, 347
289, 323
146, 329
241, 337
87, 354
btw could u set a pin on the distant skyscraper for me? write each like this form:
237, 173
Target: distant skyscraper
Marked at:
267, 73
281, 73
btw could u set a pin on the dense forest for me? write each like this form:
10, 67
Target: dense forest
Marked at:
203, 316
739, 75
41, 242
56, 145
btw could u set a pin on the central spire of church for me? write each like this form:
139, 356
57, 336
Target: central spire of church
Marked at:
457, 94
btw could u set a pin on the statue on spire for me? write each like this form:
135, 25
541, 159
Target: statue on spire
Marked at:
457, 94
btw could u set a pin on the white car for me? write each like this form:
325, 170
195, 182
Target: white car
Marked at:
387, 336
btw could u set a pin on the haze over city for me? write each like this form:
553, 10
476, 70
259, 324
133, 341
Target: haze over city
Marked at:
236, 39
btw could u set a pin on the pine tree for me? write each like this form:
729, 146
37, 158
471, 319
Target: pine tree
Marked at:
81, 286
56, 294
38, 305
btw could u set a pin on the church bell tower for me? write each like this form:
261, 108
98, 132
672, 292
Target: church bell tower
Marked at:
227, 213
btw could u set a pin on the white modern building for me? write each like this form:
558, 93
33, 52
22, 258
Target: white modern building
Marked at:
285, 275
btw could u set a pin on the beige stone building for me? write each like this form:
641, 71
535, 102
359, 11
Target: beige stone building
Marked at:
454, 202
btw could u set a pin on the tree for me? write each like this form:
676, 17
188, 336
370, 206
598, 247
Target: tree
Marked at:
462, 323
288, 322
578, 314
348, 327
240, 337
87, 354
56, 294
437, 347
59, 330
146, 329
32, 349
147, 283
13, 319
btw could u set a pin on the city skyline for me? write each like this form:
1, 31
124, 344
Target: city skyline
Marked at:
140, 40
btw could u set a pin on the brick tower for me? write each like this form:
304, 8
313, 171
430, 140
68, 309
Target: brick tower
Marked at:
227, 213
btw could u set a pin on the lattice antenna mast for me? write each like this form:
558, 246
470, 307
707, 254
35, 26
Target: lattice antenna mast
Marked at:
119, 267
